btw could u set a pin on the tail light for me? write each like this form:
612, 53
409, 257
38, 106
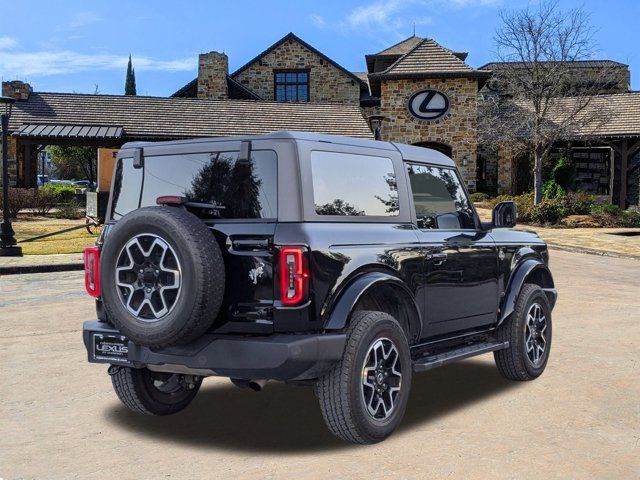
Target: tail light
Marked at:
294, 275
92, 270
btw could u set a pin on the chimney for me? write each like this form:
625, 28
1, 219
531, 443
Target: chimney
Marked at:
16, 89
213, 69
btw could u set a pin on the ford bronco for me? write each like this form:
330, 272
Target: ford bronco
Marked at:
341, 263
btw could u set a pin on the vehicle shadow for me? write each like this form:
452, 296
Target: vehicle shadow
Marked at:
285, 419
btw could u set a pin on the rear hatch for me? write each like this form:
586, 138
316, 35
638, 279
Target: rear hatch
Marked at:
237, 199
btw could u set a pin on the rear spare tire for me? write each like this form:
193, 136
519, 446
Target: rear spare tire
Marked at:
162, 276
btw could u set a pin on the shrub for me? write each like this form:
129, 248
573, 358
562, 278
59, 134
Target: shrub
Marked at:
62, 193
478, 197
578, 203
43, 201
606, 209
19, 199
523, 202
549, 211
564, 173
631, 218
551, 189
71, 210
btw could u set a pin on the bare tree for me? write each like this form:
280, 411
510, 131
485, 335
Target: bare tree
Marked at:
537, 95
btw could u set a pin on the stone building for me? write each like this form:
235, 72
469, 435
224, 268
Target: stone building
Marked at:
416, 91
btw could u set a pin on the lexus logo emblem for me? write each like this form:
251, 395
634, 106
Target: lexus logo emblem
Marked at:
428, 104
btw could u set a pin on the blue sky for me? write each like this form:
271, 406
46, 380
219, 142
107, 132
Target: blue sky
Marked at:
73, 45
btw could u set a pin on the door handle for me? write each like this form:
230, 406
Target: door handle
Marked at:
437, 258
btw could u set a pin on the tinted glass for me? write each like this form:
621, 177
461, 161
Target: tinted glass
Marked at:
291, 86
439, 199
353, 185
234, 189
126, 188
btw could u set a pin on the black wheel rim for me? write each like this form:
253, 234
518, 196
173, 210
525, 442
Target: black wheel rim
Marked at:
381, 379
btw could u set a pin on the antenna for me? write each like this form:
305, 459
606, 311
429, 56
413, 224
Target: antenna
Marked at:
414, 29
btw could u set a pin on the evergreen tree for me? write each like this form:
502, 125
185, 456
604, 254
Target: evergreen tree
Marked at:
130, 83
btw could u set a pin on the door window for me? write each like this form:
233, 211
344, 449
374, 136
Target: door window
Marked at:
439, 198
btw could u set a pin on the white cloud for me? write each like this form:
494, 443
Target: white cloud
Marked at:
7, 43
317, 20
22, 64
379, 12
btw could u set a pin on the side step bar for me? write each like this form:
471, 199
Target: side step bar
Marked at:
428, 362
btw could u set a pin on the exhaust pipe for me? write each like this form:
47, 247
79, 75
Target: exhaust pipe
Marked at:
255, 385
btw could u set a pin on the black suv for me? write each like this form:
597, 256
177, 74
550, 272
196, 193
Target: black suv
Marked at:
317, 260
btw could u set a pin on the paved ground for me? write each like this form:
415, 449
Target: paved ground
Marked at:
581, 419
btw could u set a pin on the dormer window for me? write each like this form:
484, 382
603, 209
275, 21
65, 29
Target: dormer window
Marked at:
291, 86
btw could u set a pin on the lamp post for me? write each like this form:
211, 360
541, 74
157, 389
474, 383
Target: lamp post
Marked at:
8, 247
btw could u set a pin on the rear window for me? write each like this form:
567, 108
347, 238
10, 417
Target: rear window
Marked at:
126, 188
353, 185
237, 190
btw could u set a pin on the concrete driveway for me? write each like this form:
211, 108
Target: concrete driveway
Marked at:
60, 419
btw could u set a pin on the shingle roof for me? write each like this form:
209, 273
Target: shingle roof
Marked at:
574, 64
160, 117
402, 47
621, 112
429, 58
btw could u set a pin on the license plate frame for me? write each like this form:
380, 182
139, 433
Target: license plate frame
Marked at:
110, 348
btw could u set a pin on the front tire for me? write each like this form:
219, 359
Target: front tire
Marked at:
528, 331
154, 393
364, 397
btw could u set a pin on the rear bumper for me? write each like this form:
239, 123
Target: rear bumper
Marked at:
277, 357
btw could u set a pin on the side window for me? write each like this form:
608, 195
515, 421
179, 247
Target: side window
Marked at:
439, 199
353, 185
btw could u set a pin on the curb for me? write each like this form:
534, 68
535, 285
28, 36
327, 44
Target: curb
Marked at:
20, 269
590, 251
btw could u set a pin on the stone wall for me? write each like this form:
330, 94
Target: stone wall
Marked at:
326, 82
213, 68
457, 129
11, 154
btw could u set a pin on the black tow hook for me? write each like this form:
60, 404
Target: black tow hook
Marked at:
113, 369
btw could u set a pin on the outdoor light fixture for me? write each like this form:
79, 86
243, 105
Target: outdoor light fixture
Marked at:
8, 247
465, 160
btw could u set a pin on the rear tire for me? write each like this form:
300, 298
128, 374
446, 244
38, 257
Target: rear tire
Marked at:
529, 344
376, 357
151, 393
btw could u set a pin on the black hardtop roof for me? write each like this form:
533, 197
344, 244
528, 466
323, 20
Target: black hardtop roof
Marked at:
408, 152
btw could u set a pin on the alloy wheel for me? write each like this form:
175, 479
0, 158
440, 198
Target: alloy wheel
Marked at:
381, 378
535, 334
148, 277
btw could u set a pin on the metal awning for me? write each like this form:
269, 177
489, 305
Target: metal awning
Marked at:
69, 131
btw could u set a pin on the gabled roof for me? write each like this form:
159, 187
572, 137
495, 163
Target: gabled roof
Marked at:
292, 37
401, 47
427, 59
140, 117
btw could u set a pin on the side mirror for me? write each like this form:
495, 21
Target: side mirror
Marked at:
504, 215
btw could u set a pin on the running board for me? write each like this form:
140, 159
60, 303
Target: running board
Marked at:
423, 364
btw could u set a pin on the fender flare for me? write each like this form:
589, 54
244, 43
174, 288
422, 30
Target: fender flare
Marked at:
524, 271
348, 299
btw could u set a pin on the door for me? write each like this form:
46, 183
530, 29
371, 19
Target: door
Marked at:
460, 260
